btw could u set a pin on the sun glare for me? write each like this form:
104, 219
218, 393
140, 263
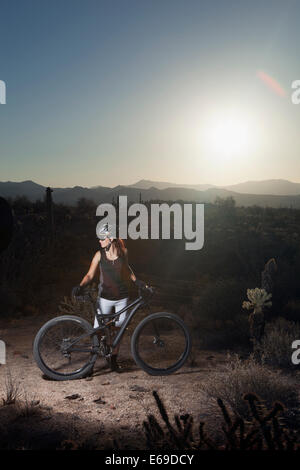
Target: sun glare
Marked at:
228, 136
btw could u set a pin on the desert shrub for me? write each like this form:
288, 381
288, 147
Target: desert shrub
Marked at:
276, 345
237, 378
84, 309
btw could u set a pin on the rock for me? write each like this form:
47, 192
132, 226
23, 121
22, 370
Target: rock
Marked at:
137, 388
73, 397
112, 407
99, 401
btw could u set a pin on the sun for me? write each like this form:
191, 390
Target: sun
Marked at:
227, 135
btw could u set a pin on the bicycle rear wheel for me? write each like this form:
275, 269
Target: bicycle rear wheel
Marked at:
55, 354
161, 343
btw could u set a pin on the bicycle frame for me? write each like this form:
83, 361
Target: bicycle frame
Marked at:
135, 305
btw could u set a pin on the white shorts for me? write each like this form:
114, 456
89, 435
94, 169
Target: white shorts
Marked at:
107, 306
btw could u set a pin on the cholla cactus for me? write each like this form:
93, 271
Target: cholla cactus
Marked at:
258, 299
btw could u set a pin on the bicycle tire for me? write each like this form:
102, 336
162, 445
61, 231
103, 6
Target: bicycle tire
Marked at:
136, 339
85, 326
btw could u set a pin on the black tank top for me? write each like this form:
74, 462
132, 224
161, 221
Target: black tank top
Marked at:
114, 277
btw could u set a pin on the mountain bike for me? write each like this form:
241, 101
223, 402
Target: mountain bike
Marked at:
67, 347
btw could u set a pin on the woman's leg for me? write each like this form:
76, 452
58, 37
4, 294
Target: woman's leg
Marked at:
119, 305
106, 307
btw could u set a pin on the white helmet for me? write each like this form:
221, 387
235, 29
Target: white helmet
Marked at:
106, 231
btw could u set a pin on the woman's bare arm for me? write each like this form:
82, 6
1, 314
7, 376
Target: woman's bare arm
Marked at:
92, 270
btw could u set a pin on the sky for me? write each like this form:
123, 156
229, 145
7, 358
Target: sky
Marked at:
185, 91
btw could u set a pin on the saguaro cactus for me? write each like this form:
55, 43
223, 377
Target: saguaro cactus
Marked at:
268, 275
49, 207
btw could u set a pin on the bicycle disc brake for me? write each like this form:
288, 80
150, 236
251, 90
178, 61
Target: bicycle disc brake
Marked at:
159, 342
66, 343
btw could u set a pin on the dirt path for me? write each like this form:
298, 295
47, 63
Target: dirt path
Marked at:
126, 398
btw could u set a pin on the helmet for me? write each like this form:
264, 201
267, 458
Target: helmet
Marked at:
106, 231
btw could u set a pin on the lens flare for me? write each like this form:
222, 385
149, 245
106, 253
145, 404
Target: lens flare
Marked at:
271, 83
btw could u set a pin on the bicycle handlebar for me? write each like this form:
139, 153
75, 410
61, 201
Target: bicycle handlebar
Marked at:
146, 292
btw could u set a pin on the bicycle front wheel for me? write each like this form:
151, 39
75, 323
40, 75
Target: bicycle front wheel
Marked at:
64, 349
161, 343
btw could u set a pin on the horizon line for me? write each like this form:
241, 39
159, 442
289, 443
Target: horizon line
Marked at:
156, 181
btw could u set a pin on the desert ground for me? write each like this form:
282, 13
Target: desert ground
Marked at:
103, 411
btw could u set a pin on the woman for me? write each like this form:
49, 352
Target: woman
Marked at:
112, 258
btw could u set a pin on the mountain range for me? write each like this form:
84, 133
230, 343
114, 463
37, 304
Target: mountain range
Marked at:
271, 193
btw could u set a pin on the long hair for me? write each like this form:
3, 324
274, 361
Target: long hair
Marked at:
120, 245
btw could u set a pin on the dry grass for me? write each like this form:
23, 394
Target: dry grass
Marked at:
239, 378
276, 349
12, 389
29, 406
26, 405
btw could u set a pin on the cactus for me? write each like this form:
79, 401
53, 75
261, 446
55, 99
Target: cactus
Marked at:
265, 430
258, 300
